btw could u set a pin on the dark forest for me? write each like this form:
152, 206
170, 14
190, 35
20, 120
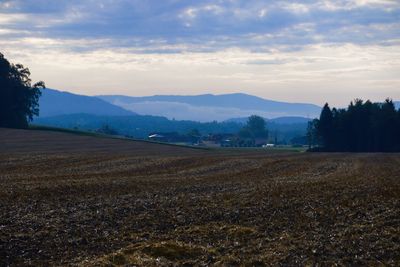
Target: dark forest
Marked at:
362, 127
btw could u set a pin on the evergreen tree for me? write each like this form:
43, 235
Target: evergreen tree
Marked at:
362, 127
312, 135
389, 121
325, 126
397, 140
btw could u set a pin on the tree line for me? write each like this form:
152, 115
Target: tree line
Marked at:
362, 127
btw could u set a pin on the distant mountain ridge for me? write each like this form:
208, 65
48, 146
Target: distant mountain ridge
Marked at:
202, 108
210, 107
244, 101
54, 103
67, 110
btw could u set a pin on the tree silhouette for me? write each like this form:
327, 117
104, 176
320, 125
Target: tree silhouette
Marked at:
325, 126
312, 135
106, 129
362, 127
255, 128
19, 99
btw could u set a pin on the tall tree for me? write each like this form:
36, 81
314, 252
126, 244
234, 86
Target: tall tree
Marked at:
312, 135
398, 131
325, 126
389, 121
19, 99
256, 127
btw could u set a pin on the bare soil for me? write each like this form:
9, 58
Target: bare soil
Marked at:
87, 201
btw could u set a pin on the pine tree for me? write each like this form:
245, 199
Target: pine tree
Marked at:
325, 127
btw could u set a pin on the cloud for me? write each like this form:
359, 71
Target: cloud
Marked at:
275, 49
314, 73
133, 23
387, 5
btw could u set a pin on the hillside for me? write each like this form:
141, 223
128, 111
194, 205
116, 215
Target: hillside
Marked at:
53, 103
210, 107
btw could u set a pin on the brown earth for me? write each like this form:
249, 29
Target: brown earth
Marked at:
78, 200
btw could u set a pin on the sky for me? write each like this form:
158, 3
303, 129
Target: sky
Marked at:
297, 51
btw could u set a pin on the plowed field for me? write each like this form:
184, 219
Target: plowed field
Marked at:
67, 199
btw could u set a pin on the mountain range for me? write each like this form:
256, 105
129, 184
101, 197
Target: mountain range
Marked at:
67, 110
54, 103
202, 108
208, 107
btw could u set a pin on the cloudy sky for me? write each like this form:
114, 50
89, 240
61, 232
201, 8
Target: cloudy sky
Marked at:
297, 51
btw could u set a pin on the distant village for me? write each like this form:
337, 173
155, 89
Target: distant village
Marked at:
253, 134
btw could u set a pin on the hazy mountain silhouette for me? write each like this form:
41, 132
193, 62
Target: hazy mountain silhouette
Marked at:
53, 103
210, 107
63, 109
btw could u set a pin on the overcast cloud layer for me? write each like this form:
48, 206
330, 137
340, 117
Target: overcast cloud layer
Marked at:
310, 51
